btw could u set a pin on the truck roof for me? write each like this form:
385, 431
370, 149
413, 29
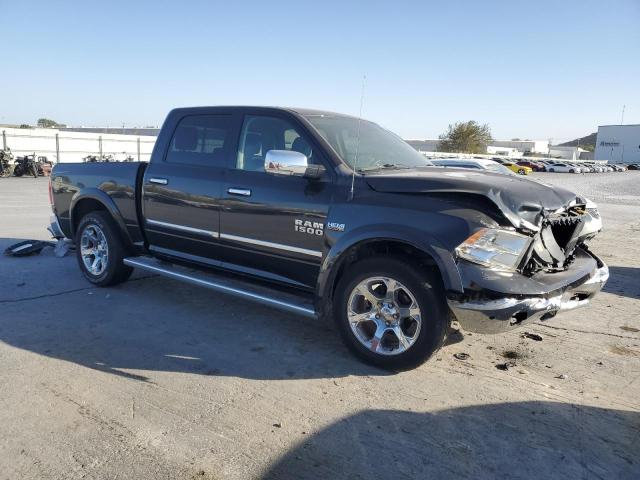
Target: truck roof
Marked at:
306, 112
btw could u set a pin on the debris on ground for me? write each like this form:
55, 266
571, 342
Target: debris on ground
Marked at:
562, 376
27, 247
461, 356
505, 365
532, 336
277, 425
63, 246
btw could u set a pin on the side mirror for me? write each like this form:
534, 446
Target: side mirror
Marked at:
289, 162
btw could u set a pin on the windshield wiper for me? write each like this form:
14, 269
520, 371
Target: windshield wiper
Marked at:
383, 166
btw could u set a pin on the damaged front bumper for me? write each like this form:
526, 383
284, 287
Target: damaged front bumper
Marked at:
498, 301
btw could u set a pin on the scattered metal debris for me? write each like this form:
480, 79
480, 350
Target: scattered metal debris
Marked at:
63, 246
505, 365
27, 247
461, 356
532, 336
562, 376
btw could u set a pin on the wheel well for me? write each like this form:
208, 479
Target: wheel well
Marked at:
393, 248
83, 207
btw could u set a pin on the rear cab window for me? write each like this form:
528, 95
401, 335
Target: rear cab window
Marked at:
200, 140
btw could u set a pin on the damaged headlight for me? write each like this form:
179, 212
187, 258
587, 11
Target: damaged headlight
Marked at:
494, 248
592, 208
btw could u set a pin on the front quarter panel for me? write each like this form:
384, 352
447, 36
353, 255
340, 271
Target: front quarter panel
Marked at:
435, 229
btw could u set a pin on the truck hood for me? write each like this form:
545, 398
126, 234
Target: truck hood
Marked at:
523, 202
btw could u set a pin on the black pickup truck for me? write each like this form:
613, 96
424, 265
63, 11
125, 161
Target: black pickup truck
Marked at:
332, 216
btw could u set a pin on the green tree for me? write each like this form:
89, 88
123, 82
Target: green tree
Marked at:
48, 123
465, 137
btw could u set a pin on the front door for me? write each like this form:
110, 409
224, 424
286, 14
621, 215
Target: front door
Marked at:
269, 223
182, 192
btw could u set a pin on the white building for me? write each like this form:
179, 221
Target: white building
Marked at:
506, 151
618, 143
524, 146
569, 153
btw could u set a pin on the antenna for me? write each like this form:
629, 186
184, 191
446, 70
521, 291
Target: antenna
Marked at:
355, 158
622, 116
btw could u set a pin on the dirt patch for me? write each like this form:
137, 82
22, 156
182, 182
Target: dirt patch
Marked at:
625, 351
512, 355
629, 329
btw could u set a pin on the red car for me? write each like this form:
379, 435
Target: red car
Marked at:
536, 167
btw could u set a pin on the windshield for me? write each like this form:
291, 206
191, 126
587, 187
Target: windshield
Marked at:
378, 148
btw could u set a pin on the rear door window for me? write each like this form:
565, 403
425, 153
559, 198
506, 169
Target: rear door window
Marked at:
200, 140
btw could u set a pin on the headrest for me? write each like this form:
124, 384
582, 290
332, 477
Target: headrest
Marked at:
300, 145
252, 144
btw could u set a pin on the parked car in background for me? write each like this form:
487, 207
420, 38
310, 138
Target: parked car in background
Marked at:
580, 166
634, 166
535, 166
519, 169
563, 168
584, 167
473, 164
596, 167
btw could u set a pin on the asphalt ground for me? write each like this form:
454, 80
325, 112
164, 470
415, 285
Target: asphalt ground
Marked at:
158, 379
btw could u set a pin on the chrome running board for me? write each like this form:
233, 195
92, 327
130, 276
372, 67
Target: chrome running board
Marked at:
226, 284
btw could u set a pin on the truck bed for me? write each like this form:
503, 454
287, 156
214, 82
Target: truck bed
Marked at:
115, 182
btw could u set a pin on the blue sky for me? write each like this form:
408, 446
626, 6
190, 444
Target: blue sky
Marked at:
534, 69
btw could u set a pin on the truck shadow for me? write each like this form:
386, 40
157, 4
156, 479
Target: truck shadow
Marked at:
623, 281
151, 324
523, 440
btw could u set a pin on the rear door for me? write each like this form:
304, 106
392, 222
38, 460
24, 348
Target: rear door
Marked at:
270, 224
182, 188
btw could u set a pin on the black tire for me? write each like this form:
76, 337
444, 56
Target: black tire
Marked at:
551, 170
425, 286
115, 271
572, 171
522, 171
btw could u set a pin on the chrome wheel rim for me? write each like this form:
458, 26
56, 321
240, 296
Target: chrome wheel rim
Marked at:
384, 315
94, 250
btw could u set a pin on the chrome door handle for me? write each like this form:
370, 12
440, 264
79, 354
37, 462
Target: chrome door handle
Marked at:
159, 181
245, 192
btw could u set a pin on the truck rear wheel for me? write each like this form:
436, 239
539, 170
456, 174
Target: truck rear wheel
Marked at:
99, 250
390, 313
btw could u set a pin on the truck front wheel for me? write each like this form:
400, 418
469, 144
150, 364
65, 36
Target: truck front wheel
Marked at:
99, 250
391, 314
